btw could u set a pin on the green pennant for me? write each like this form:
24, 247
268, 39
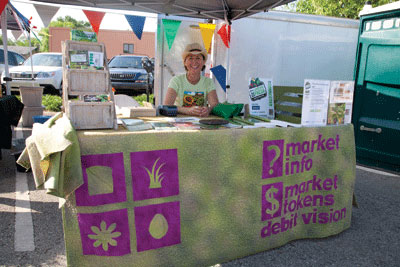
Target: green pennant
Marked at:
170, 28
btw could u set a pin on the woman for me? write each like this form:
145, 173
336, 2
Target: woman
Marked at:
192, 93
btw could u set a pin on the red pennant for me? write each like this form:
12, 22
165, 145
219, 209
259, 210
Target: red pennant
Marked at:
224, 35
95, 19
3, 4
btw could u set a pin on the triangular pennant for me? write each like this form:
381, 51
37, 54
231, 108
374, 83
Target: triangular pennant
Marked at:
46, 13
220, 74
95, 18
3, 4
16, 34
224, 35
137, 24
207, 32
170, 28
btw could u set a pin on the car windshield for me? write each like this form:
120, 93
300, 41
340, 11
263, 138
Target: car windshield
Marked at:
126, 62
45, 60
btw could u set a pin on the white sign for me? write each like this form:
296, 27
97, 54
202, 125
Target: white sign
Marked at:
261, 97
340, 102
315, 102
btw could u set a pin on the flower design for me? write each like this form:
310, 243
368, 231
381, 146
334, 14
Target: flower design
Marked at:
154, 176
104, 235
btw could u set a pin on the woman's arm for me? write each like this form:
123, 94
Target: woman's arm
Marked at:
170, 97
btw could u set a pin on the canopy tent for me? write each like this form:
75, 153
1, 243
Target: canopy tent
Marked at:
227, 10
11, 19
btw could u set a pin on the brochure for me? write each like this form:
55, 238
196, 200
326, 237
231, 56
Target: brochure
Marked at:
340, 102
136, 125
78, 59
315, 102
163, 126
261, 97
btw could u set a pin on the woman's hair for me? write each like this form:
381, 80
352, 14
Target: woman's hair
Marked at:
204, 66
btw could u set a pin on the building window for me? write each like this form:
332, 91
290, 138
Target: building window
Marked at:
128, 48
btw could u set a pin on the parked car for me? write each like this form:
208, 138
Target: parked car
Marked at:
128, 75
47, 72
14, 59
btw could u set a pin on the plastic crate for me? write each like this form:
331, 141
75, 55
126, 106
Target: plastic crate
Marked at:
40, 119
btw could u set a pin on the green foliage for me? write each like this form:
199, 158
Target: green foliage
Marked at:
52, 102
143, 97
341, 8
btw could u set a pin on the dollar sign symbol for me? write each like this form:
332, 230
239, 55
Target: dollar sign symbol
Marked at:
269, 196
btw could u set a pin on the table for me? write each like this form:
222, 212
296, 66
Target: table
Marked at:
206, 197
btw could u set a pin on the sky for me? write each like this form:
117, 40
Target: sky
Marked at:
113, 19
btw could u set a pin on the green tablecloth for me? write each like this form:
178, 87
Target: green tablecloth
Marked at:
205, 197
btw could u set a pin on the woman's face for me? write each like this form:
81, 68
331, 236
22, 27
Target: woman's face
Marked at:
194, 63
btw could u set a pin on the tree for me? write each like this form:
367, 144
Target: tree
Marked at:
67, 22
339, 8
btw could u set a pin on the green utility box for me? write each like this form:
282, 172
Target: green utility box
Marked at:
376, 110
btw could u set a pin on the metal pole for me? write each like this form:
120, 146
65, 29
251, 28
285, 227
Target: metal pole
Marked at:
30, 53
5, 38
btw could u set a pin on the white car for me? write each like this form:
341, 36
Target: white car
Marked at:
47, 72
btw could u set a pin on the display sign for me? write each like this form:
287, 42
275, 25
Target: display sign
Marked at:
327, 102
315, 102
79, 35
340, 102
261, 97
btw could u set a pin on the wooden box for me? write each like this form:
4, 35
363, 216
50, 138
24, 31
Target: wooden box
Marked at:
91, 115
86, 82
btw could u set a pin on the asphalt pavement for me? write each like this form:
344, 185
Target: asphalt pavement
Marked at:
372, 240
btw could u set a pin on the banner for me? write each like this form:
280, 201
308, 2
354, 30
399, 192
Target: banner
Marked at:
46, 13
95, 18
220, 74
158, 199
170, 28
79, 35
207, 32
3, 4
225, 34
137, 24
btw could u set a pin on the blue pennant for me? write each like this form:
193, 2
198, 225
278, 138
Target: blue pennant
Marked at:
136, 23
220, 74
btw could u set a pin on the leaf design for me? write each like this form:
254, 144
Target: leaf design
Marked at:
104, 236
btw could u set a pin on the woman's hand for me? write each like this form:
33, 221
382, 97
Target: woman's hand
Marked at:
195, 111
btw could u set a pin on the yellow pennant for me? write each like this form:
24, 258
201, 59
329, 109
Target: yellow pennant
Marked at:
207, 32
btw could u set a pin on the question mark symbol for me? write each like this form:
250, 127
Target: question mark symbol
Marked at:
277, 154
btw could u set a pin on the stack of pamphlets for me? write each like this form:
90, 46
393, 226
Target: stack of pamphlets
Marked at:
136, 125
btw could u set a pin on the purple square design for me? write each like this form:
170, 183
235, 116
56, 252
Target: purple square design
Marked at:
271, 201
147, 164
93, 221
272, 158
143, 219
116, 163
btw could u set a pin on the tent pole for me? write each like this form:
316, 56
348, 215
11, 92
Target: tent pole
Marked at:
30, 54
5, 38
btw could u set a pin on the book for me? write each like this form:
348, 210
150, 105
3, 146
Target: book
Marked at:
162, 126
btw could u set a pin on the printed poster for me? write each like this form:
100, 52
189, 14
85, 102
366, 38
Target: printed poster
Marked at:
261, 97
340, 102
315, 102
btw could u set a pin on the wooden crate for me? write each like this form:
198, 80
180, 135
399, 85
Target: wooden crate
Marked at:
91, 115
81, 82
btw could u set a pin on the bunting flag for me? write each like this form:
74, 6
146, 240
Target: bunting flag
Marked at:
46, 13
224, 33
3, 4
95, 18
207, 32
16, 34
220, 74
170, 28
137, 24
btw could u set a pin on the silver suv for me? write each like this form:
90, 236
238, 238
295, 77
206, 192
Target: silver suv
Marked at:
128, 75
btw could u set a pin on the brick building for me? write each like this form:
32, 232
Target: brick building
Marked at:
116, 42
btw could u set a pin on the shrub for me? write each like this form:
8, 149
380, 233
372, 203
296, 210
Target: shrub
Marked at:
143, 97
52, 102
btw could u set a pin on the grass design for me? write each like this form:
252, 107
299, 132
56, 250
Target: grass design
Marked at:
155, 176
